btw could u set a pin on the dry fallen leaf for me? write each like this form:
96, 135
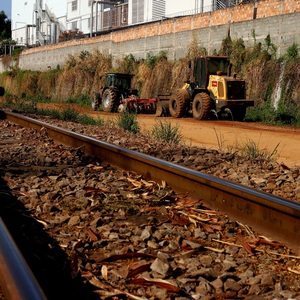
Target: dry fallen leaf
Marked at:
145, 196
99, 284
157, 282
135, 183
92, 235
266, 241
187, 202
104, 272
212, 227
148, 183
293, 270
117, 293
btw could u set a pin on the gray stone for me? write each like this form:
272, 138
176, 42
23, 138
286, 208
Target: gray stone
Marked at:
218, 285
160, 266
231, 285
145, 235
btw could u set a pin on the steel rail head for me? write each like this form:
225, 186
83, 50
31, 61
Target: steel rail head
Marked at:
17, 280
267, 213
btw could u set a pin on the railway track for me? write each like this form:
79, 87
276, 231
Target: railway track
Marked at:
271, 215
275, 216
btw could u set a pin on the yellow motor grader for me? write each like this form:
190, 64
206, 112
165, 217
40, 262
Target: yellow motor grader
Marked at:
214, 93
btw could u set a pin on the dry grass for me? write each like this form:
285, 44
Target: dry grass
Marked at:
84, 74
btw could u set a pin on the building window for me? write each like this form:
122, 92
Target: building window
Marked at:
74, 5
74, 25
90, 2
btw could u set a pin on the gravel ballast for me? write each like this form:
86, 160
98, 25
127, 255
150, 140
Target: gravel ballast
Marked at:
92, 230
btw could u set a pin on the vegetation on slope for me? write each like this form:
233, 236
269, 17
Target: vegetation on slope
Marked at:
273, 82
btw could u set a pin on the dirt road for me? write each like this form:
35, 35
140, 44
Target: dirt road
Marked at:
223, 135
226, 135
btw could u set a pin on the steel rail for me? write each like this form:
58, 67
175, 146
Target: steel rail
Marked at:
267, 214
17, 280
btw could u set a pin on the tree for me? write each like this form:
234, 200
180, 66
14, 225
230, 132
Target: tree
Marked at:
5, 26
5, 33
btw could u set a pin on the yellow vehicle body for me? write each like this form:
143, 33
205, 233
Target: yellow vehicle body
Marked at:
217, 86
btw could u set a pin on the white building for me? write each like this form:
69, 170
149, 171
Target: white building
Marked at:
42, 22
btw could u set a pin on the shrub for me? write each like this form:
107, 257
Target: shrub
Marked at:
292, 51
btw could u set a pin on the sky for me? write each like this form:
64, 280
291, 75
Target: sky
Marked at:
6, 6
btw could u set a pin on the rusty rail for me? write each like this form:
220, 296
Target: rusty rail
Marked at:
267, 214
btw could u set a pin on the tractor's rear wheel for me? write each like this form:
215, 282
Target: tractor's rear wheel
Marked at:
201, 106
109, 100
177, 103
2, 91
96, 101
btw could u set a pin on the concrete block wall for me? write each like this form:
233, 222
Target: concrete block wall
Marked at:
279, 18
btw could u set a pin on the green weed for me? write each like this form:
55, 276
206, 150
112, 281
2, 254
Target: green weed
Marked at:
164, 131
286, 114
251, 150
70, 114
152, 60
128, 121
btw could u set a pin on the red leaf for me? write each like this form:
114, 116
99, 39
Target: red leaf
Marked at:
138, 270
92, 235
247, 247
180, 221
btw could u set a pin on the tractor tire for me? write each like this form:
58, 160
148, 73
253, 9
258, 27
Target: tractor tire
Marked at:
2, 91
201, 106
109, 100
96, 101
162, 108
177, 103
159, 110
